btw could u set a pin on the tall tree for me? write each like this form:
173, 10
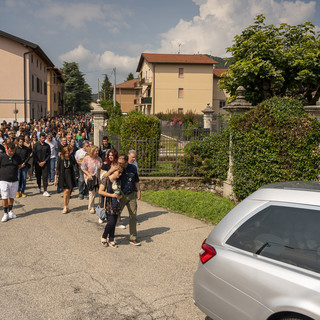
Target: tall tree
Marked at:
130, 76
269, 61
77, 91
106, 91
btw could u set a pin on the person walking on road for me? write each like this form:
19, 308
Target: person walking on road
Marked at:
130, 188
24, 153
53, 156
65, 176
104, 148
79, 156
110, 192
10, 163
41, 155
91, 166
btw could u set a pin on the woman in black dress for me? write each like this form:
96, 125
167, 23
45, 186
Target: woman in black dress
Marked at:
66, 176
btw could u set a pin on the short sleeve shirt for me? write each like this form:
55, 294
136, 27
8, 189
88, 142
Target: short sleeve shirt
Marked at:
9, 167
93, 166
128, 179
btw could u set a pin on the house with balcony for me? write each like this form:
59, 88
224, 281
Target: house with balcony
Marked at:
55, 83
23, 81
126, 95
180, 82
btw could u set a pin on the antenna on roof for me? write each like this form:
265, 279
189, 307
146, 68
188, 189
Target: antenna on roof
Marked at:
179, 45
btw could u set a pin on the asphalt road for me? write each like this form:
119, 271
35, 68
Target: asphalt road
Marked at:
52, 265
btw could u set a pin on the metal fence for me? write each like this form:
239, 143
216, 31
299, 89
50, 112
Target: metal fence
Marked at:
165, 157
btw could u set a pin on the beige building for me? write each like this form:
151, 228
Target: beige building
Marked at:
219, 96
23, 81
55, 83
180, 82
126, 95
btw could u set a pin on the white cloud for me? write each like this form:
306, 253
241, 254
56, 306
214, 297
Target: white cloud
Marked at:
72, 14
220, 20
94, 65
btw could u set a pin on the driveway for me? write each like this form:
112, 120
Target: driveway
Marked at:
54, 267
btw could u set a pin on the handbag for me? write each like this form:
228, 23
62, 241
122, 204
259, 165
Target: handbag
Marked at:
92, 184
101, 212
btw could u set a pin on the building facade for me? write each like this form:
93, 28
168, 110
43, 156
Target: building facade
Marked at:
219, 96
126, 95
55, 83
178, 82
23, 81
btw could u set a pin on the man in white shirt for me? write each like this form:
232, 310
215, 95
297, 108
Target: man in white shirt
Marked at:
53, 157
79, 156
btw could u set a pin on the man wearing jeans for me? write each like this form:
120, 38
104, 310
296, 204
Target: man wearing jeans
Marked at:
130, 188
24, 153
53, 156
80, 154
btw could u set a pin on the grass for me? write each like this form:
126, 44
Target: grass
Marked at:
201, 205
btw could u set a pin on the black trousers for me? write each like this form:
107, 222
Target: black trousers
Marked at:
110, 227
42, 172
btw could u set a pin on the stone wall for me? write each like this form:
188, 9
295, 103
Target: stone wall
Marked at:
180, 183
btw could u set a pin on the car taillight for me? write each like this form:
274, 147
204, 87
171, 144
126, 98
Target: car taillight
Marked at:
207, 252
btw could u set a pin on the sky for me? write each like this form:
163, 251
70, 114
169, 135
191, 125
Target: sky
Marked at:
101, 35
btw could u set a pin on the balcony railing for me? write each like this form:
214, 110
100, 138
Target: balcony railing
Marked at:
146, 100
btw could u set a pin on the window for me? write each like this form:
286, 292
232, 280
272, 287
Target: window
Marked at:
32, 83
222, 104
38, 85
54, 97
180, 93
45, 88
181, 72
286, 234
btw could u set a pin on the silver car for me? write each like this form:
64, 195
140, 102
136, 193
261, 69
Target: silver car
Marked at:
262, 261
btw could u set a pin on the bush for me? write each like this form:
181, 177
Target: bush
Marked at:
142, 133
209, 157
276, 141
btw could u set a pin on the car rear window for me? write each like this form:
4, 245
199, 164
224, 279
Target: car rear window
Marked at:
287, 234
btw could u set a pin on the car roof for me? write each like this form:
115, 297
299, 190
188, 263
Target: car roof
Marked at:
291, 193
302, 192
295, 185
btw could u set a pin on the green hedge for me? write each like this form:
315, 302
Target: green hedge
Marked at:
276, 141
142, 133
209, 157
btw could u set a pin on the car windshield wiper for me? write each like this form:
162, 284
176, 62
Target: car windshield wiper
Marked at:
268, 244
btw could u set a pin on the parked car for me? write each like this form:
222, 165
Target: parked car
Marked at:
262, 261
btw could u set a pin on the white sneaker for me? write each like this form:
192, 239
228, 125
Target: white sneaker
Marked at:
101, 221
11, 215
5, 218
46, 194
120, 226
38, 190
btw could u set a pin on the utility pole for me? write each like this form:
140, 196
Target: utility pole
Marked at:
98, 90
114, 87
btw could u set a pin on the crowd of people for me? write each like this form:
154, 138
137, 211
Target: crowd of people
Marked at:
59, 151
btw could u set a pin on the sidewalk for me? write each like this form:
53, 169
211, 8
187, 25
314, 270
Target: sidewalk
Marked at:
54, 267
